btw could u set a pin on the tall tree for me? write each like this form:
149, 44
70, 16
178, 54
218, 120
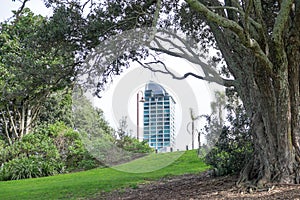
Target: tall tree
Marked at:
35, 61
258, 40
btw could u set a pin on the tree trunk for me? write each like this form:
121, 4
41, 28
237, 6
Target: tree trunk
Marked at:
275, 153
28, 120
272, 102
275, 122
193, 133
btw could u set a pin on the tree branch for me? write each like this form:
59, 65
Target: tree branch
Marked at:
255, 23
155, 20
18, 12
236, 28
213, 17
280, 22
246, 19
262, 31
185, 51
6, 128
218, 80
12, 123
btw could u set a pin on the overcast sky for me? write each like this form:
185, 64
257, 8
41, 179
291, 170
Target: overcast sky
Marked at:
37, 6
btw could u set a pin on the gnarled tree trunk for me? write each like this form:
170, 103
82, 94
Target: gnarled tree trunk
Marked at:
271, 98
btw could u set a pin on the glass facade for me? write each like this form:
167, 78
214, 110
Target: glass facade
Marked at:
159, 117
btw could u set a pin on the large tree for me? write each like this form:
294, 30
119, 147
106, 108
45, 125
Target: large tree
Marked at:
260, 43
258, 40
36, 59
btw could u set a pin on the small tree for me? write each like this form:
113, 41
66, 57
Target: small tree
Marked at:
194, 118
122, 130
215, 121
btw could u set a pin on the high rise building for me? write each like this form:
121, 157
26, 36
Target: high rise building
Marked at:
159, 117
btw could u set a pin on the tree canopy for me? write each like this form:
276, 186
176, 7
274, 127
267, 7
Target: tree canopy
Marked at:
35, 62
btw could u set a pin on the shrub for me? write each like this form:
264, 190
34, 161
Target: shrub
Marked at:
30, 145
70, 147
234, 146
230, 153
49, 150
33, 156
88, 164
133, 145
30, 167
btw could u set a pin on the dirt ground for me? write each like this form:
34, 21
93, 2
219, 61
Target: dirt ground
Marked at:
202, 186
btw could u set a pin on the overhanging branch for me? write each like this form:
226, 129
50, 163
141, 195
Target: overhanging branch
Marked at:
166, 70
213, 17
181, 48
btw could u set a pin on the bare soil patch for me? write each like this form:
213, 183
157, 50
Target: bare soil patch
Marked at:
201, 186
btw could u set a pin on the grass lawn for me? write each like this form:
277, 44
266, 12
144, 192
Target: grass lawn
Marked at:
87, 184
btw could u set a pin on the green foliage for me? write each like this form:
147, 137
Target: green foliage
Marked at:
57, 107
234, 146
70, 147
127, 142
98, 136
230, 153
2, 143
133, 145
30, 145
49, 150
122, 129
30, 167
89, 120
86, 164
33, 67
34, 63
33, 156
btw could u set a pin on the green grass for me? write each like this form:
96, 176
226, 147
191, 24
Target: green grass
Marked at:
90, 183
152, 162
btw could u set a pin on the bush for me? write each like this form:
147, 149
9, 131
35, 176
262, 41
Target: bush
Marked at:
33, 156
135, 146
30, 145
230, 153
49, 150
88, 164
30, 167
234, 146
70, 147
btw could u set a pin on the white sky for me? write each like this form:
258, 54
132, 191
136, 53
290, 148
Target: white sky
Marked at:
37, 6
